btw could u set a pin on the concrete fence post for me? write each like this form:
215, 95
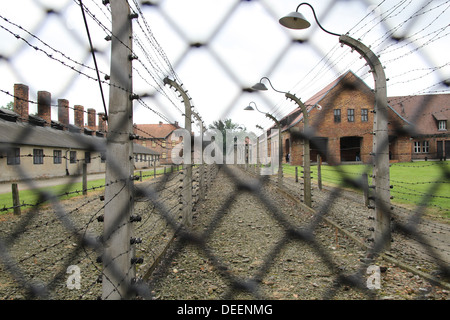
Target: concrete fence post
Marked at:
118, 270
187, 167
380, 153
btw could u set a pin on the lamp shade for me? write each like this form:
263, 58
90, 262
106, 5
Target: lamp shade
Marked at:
295, 20
259, 86
249, 108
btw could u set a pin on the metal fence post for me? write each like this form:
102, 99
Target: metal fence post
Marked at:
117, 268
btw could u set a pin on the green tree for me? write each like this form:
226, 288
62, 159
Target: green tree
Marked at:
228, 124
9, 106
225, 125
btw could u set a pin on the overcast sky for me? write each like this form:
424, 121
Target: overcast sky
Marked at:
243, 42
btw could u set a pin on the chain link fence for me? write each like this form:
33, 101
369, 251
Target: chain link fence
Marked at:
121, 237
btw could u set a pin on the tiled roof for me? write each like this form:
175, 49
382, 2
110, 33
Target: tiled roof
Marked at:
423, 111
150, 131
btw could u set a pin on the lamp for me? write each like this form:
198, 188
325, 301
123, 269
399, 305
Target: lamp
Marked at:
262, 87
295, 20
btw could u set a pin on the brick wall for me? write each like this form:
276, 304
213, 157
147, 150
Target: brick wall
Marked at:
345, 140
346, 95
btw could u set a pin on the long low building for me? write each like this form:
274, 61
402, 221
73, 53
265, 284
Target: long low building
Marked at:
30, 151
32, 147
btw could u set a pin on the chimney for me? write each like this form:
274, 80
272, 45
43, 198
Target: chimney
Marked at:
44, 107
78, 116
101, 122
160, 123
63, 112
21, 101
91, 119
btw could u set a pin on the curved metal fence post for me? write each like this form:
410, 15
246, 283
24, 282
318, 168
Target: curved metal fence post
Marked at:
382, 236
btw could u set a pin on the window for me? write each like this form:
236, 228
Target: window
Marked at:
153, 143
57, 156
174, 143
163, 155
87, 157
442, 125
425, 146
73, 157
364, 115
163, 143
351, 115
38, 156
337, 115
13, 156
421, 146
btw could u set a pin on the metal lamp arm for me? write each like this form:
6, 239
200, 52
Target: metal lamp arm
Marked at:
317, 20
271, 84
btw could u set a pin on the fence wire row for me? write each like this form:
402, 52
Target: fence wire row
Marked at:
121, 237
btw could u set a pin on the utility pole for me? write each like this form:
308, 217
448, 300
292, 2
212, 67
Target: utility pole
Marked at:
118, 271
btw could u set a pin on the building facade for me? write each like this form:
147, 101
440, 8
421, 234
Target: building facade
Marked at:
159, 137
341, 118
34, 146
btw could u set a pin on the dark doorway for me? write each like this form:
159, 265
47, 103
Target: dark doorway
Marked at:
440, 149
318, 146
350, 149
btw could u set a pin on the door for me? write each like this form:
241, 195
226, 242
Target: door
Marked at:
440, 149
447, 149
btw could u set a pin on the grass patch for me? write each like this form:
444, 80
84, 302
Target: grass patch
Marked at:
413, 182
30, 197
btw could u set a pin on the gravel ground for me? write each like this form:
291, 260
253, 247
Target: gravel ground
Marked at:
246, 251
241, 248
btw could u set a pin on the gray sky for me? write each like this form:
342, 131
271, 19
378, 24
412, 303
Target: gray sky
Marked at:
244, 43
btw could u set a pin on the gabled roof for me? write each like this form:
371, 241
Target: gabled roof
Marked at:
151, 131
347, 79
423, 111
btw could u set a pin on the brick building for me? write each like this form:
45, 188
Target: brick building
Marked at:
429, 114
158, 137
341, 115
